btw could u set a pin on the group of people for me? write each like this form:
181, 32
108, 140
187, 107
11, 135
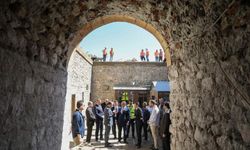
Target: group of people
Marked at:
144, 55
153, 118
105, 53
158, 55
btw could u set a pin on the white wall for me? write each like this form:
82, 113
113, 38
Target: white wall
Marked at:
79, 76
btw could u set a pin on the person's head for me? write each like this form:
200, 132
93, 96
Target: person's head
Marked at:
152, 103
130, 102
109, 104
123, 104
157, 50
166, 106
136, 105
144, 105
142, 50
106, 101
161, 101
146, 49
80, 105
90, 104
160, 49
115, 103
98, 102
111, 48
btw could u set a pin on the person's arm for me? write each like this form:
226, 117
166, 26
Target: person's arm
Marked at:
92, 115
77, 123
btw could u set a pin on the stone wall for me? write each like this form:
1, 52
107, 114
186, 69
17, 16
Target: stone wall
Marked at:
108, 74
31, 103
209, 76
79, 81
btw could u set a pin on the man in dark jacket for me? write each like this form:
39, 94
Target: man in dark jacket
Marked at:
90, 121
78, 123
138, 123
122, 121
108, 121
99, 119
146, 115
164, 127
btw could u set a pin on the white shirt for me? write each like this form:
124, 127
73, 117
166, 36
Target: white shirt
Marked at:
154, 119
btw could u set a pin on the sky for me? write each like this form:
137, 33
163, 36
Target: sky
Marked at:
126, 39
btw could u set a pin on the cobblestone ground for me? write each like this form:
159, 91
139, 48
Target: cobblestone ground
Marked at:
115, 145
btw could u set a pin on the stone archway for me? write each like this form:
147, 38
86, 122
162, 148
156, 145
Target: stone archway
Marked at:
98, 22
209, 69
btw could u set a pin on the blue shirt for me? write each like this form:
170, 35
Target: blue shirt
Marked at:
78, 124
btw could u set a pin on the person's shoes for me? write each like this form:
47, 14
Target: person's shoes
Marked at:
125, 142
138, 146
101, 139
115, 137
133, 137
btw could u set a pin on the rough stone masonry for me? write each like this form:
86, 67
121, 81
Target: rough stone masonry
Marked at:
209, 75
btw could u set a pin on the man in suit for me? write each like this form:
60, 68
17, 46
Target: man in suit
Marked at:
99, 119
108, 121
146, 115
138, 123
78, 123
90, 121
122, 121
164, 127
114, 109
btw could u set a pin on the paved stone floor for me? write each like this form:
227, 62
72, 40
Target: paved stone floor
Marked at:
115, 145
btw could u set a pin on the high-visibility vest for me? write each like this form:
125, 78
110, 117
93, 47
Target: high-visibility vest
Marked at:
147, 53
104, 52
131, 112
142, 53
156, 53
125, 96
111, 52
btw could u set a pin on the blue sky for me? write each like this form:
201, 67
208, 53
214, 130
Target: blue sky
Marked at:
126, 39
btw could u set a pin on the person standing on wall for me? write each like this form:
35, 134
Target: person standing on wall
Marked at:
164, 127
154, 123
147, 55
108, 122
99, 120
142, 55
156, 56
78, 123
138, 123
160, 55
114, 109
111, 54
146, 115
122, 121
131, 119
90, 121
104, 54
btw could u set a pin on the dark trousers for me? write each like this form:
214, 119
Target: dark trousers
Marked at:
124, 128
166, 142
107, 131
114, 129
160, 58
99, 126
138, 133
89, 132
132, 125
145, 130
